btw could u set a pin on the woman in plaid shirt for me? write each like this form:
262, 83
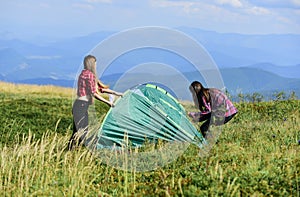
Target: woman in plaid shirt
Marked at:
215, 107
89, 87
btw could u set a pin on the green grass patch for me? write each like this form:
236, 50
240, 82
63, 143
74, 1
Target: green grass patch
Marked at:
257, 155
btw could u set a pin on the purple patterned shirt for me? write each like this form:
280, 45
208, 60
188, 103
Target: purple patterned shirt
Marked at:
219, 101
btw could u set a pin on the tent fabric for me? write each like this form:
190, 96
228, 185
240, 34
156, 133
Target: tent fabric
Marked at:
146, 112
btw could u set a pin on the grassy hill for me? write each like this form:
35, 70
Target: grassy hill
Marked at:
257, 153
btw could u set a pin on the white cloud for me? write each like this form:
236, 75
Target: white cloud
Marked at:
54, 76
188, 7
44, 5
83, 6
233, 3
166, 3
99, 1
279, 4
189, 3
258, 11
296, 2
239, 16
284, 20
41, 57
57, 17
23, 66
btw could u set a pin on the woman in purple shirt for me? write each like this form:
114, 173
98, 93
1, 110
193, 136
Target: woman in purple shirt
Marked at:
214, 106
89, 87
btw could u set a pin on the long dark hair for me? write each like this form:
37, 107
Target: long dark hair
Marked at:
198, 91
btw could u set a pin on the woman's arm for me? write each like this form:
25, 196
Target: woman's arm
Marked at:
199, 116
109, 91
100, 98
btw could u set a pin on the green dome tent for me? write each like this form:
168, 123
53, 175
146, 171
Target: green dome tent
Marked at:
146, 112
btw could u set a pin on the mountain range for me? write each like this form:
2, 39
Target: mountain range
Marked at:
248, 63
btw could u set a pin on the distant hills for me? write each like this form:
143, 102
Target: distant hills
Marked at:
284, 71
248, 63
236, 50
237, 80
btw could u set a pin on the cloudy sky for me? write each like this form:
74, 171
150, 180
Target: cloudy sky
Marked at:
68, 18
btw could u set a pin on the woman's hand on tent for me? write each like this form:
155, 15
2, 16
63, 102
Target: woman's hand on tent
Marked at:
119, 94
111, 104
194, 116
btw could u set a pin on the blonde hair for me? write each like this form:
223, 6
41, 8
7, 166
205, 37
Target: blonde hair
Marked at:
90, 64
102, 84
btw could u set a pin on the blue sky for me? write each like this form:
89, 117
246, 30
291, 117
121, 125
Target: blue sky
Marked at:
69, 18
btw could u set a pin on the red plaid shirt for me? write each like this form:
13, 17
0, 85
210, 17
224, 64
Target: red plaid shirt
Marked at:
86, 83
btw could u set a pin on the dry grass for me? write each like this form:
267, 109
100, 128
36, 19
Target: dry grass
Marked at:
49, 91
44, 90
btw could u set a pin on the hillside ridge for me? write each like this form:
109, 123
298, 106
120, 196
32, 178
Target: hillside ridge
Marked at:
31, 89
